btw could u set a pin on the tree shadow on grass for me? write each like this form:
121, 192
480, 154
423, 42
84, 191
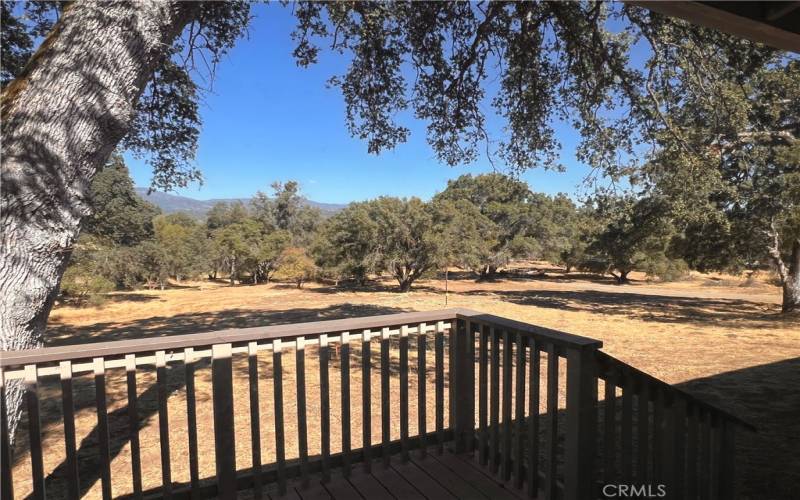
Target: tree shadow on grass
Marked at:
374, 287
737, 313
160, 326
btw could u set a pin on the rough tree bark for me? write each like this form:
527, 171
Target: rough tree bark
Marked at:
60, 121
789, 275
791, 285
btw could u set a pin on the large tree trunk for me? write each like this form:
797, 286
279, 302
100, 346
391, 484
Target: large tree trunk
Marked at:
791, 282
60, 121
622, 277
790, 276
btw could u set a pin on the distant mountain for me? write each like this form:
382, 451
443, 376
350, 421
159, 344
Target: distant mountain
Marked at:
171, 203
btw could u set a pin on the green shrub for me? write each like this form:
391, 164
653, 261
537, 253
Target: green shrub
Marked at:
666, 269
82, 289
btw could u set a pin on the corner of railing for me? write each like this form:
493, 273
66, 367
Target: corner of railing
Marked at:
581, 429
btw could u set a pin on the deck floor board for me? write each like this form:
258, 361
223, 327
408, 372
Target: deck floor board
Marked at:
395, 483
435, 477
368, 486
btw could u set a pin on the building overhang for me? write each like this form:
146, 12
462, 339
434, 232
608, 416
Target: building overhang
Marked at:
776, 24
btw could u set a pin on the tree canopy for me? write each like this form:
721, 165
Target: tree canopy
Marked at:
728, 160
552, 60
119, 214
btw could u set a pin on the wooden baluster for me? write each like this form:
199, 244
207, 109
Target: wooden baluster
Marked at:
505, 464
667, 448
533, 422
691, 451
704, 456
470, 387
133, 425
627, 428
458, 404
678, 425
494, 404
344, 364
224, 430
421, 390
386, 437
643, 430
551, 443
727, 455
302, 423
439, 361
483, 368
404, 392
68, 409
325, 407
191, 418
714, 454
34, 430
255, 417
366, 399
519, 459
163, 422
6, 477
658, 432
610, 429
280, 438
102, 425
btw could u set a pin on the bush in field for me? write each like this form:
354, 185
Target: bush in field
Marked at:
294, 265
83, 285
665, 269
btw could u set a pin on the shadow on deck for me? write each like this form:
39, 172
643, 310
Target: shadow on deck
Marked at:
445, 476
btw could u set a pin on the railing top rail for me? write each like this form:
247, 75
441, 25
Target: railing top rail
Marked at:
608, 361
287, 331
557, 337
227, 336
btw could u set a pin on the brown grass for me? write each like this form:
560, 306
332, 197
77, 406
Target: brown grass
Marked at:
726, 343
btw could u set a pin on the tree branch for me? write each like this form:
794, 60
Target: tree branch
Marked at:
480, 37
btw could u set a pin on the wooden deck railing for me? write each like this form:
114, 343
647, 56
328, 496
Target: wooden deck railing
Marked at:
525, 398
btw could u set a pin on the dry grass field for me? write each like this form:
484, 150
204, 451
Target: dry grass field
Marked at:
719, 337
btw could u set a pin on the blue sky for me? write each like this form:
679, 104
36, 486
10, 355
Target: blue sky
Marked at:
268, 120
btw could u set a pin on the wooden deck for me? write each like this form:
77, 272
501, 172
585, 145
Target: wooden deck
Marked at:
435, 477
460, 359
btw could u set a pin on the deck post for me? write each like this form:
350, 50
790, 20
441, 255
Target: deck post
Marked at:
581, 429
224, 441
